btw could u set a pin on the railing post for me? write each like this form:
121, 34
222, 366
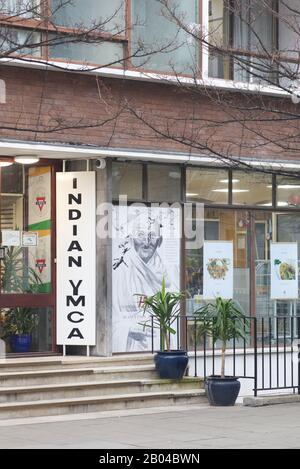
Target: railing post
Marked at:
152, 335
255, 356
298, 336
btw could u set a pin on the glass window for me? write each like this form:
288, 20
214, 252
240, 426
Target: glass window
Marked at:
36, 322
100, 15
245, 26
12, 179
127, 180
222, 225
209, 186
27, 8
164, 183
20, 41
102, 53
218, 37
26, 235
155, 32
288, 192
251, 188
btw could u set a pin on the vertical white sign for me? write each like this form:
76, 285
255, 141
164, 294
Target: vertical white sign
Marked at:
76, 252
284, 271
218, 269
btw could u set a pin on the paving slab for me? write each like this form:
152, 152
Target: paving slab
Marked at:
190, 427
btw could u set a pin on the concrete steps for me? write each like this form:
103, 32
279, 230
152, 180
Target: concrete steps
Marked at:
89, 389
60, 375
43, 363
78, 385
95, 404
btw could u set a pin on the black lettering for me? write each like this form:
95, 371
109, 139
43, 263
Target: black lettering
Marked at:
75, 246
75, 230
75, 287
75, 198
77, 301
70, 317
75, 183
77, 262
74, 214
75, 333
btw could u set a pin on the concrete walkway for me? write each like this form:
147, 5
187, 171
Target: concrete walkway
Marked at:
185, 427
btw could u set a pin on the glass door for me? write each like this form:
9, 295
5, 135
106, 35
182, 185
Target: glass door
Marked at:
27, 281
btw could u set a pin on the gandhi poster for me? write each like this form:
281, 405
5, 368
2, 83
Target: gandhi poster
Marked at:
146, 249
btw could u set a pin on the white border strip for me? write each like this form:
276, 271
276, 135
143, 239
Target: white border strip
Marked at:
61, 152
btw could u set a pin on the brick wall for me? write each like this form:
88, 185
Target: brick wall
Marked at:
79, 109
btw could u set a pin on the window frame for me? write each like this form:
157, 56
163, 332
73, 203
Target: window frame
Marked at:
45, 28
232, 51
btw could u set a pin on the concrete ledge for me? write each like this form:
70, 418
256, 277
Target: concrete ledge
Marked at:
271, 400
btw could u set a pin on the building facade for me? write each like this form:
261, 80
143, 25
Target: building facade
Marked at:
157, 123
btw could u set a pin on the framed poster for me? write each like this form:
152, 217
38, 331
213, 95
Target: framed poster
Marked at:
29, 238
146, 249
284, 271
11, 238
217, 269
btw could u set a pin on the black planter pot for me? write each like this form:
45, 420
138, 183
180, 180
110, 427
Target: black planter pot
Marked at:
172, 364
222, 391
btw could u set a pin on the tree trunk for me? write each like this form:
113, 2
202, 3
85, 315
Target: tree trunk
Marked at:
223, 360
167, 341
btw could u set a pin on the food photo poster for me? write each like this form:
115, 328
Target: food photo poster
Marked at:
218, 270
284, 271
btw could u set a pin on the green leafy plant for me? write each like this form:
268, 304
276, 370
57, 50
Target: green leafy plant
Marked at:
224, 321
16, 276
163, 308
17, 321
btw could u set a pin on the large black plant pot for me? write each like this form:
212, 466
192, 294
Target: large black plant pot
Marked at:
222, 391
171, 365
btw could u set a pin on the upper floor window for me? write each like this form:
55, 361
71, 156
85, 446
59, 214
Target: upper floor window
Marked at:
25, 8
243, 35
160, 36
91, 14
84, 31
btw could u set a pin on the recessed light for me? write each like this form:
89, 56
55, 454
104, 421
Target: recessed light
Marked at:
236, 191
191, 194
226, 181
4, 164
26, 159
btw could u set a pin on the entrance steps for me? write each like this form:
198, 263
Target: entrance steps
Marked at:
75, 385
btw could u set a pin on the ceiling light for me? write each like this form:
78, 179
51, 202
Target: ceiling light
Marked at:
191, 194
226, 181
26, 159
286, 186
236, 191
282, 204
4, 164
279, 204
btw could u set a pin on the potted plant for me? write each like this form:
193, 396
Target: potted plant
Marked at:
17, 277
164, 308
223, 321
17, 326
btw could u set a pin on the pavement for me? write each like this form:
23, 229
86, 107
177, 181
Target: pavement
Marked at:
185, 427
